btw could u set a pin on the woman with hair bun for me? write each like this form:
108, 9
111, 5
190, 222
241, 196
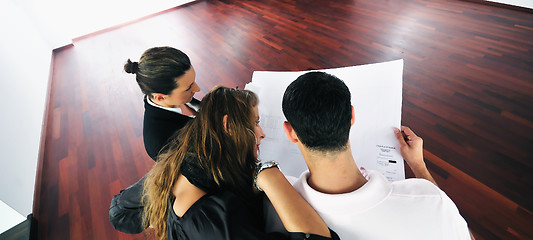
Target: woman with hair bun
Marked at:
167, 79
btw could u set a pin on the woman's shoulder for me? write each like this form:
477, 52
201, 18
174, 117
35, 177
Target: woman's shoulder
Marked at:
210, 217
193, 204
196, 174
214, 205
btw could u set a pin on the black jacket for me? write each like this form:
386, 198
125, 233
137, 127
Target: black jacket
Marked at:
158, 126
217, 215
125, 211
223, 216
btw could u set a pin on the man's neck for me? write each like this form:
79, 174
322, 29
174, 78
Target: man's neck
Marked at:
333, 173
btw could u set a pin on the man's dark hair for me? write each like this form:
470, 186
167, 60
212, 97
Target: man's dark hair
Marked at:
317, 105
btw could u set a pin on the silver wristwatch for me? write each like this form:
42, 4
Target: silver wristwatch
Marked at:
262, 166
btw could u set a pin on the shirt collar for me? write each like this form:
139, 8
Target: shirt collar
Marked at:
369, 195
176, 110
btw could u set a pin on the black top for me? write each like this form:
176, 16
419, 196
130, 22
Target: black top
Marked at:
217, 215
159, 126
125, 211
222, 216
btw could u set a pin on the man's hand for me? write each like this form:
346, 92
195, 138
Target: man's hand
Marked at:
411, 148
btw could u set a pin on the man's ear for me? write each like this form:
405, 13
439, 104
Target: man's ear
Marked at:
158, 96
291, 134
353, 117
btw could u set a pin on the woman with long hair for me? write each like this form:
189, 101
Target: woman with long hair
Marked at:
202, 186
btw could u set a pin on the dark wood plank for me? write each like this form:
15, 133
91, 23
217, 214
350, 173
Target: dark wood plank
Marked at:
468, 91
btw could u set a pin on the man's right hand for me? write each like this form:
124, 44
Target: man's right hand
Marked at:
411, 148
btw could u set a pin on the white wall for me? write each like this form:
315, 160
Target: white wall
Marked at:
520, 3
61, 20
9, 217
30, 30
24, 67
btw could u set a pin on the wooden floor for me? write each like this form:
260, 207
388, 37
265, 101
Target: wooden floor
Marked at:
468, 91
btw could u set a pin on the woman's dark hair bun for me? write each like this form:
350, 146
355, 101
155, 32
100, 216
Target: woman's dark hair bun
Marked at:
131, 67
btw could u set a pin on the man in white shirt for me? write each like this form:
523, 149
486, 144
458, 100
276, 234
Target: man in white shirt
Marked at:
355, 203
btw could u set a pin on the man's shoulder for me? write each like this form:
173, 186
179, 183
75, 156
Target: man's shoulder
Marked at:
415, 187
299, 182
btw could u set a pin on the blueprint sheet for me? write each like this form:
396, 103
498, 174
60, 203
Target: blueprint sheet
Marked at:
376, 91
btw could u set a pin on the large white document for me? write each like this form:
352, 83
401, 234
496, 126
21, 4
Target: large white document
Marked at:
376, 91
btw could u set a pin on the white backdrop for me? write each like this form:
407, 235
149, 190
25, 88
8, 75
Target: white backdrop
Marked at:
31, 29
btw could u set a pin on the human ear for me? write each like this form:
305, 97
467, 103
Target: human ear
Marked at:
225, 122
353, 117
158, 96
291, 134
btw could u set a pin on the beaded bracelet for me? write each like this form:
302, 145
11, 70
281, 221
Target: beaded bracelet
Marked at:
262, 166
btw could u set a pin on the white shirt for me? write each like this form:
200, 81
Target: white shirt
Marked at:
407, 209
177, 110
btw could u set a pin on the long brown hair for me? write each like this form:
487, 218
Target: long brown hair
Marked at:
226, 153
